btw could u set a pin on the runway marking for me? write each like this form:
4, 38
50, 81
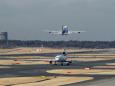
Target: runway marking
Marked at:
69, 72
87, 68
18, 63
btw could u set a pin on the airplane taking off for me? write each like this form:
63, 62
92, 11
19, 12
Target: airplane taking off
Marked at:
64, 31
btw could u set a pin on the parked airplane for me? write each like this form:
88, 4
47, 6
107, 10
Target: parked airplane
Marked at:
64, 31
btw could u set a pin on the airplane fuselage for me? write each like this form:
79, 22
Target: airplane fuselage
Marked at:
65, 30
60, 58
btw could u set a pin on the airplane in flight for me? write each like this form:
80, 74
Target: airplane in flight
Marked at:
64, 31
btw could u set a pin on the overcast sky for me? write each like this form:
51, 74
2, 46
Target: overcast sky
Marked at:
24, 19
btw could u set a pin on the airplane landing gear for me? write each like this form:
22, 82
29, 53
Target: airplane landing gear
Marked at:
50, 62
55, 63
67, 63
70, 62
62, 63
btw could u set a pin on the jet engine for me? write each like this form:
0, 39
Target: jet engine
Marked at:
50, 62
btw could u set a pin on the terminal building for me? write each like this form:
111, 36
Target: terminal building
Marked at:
3, 36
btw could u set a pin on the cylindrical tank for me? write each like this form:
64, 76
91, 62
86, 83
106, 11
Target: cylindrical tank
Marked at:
3, 36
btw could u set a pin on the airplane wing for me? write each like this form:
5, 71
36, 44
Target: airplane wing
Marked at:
53, 60
55, 32
82, 60
75, 32
35, 59
41, 60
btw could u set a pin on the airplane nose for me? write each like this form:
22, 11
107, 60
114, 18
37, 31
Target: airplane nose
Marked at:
56, 58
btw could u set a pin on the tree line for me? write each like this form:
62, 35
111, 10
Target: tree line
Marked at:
58, 44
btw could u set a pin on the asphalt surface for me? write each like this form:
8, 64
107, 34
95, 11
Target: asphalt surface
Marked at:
40, 70
54, 54
107, 82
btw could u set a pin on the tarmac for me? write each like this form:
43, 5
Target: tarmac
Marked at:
103, 82
40, 70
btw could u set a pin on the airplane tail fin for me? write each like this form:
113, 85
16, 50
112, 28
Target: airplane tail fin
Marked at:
64, 53
62, 27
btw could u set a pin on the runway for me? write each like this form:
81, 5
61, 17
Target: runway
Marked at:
52, 54
41, 70
103, 82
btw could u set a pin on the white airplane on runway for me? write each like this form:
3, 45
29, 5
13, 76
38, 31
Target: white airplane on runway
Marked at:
60, 59
64, 31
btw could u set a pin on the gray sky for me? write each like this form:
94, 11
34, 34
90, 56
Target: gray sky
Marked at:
24, 19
